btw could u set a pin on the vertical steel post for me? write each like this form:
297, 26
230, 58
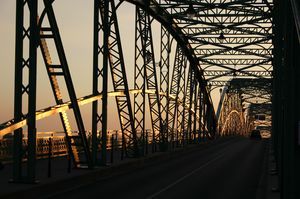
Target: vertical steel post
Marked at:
18, 134
20, 62
289, 138
95, 82
276, 94
191, 103
189, 100
106, 28
195, 111
139, 75
68, 80
176, 89
148, 67
118, 73
181, 112
204, 116
31, 121
201, 108
165, 50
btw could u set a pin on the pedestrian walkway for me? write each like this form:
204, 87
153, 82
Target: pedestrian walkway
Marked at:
273, 181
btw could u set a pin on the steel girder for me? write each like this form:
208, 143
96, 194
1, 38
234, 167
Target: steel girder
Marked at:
61, 70
164, 63
161, 15
36, 34
140, 73
105, 20
114, 54
219, 73
145, 76
253, 90
195, 105
177, 89
246, 29
212, 19
242, 62
285, 100
156, 12
12, 125
248, 93
226, 30
252, 93
52, 74
200, 110
231, 118
181, 92
97, 74
230, 38
189, 101
25, 31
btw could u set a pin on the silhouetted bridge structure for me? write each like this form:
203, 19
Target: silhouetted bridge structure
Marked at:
203, 71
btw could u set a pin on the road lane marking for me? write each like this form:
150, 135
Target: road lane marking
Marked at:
184, 177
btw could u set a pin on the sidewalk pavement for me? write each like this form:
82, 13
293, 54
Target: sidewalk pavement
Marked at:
268, 185
273, 178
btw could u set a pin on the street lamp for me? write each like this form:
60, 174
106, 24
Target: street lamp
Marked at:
191, 12
222, 37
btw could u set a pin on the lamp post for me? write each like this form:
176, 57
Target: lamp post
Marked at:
221, 37
191, 12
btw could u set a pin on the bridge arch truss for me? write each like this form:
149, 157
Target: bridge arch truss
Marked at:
209, 49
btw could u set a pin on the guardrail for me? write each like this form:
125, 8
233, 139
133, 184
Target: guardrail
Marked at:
58, 148
56, 145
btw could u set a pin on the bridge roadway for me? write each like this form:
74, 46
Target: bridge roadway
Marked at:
228, 170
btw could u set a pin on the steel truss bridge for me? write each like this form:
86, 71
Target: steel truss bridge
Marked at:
203, 46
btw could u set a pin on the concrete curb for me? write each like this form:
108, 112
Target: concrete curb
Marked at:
263, 182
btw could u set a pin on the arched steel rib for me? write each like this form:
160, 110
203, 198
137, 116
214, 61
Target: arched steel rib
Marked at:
12, 125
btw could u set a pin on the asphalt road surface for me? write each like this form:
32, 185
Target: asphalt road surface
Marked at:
231, 169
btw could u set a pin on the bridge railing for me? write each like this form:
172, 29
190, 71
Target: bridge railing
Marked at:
55, 144
58, 147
